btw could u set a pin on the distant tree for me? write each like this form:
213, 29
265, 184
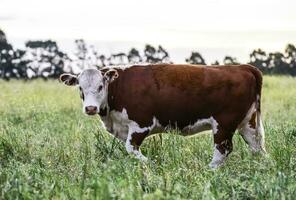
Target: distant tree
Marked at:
153, 55
260, 59
163, 55
228, 60
150, 54
196, 59
2, 36
7, 69
20, 63
216, 63
290, 56
278, 63
290, 51
45, 59
102, 60
118, 59
92, 56
86, 56
134, 56
81, 54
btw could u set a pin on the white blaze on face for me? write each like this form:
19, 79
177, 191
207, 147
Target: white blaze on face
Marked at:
93, 85
92, 88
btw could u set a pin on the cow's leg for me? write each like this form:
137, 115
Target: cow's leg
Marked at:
253, 136
133, 142
222, 147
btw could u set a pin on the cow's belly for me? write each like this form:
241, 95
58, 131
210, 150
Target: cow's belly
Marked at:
119, 125
198, 126
196, 131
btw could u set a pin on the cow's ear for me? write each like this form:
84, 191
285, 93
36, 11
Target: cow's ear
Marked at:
111, 75
69, 79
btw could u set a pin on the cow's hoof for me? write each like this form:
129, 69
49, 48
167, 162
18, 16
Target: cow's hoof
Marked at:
215, 165
142, 158
258, 151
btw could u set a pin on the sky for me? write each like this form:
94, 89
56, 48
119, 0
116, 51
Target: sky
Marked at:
213, 27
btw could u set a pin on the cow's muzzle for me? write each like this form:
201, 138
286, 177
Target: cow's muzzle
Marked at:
91, 110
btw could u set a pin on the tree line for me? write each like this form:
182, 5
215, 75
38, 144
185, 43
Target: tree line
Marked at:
44, 59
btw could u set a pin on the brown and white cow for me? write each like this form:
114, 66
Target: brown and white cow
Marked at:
141, 100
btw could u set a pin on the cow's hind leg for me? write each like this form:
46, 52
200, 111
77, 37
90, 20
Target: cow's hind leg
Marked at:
253, 134
222, 147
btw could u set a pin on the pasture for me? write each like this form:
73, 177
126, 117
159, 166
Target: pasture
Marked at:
50, 150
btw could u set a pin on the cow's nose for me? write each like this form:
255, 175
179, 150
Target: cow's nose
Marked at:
91, 110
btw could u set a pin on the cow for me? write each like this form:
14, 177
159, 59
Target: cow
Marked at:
141, 100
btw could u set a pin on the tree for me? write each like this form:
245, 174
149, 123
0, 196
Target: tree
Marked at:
118, 59
228, 60
150, 54
81, 52
216, 63
290, 57
45, 59
102, 59
163, 55
278, 64
86, 57
2, 36
134, 56
290, 50
153, 55
260, 59
7, 69
196, 59
20, 63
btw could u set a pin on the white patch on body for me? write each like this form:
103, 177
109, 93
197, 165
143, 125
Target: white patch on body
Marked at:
119, 124
218, 158
201, 125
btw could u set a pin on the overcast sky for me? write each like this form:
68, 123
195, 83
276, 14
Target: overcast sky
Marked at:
186, 24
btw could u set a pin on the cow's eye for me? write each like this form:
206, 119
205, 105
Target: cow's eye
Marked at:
100, 88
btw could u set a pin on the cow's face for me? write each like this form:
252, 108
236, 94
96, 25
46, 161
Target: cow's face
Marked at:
93, 86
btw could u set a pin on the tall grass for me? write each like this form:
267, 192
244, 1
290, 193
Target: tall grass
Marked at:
50, 150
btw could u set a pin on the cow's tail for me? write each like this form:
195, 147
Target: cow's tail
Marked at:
259, 125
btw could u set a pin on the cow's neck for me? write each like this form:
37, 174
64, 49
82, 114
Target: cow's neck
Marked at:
105, 117
104, 107
103, 112
107, 107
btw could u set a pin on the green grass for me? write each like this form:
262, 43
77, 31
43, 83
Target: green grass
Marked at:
50, 150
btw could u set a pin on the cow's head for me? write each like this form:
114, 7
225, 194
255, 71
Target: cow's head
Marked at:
93, 86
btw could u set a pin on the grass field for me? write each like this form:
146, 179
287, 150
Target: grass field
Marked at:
50, 150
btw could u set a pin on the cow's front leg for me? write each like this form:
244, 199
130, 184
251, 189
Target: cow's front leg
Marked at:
222, 148
133, 142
